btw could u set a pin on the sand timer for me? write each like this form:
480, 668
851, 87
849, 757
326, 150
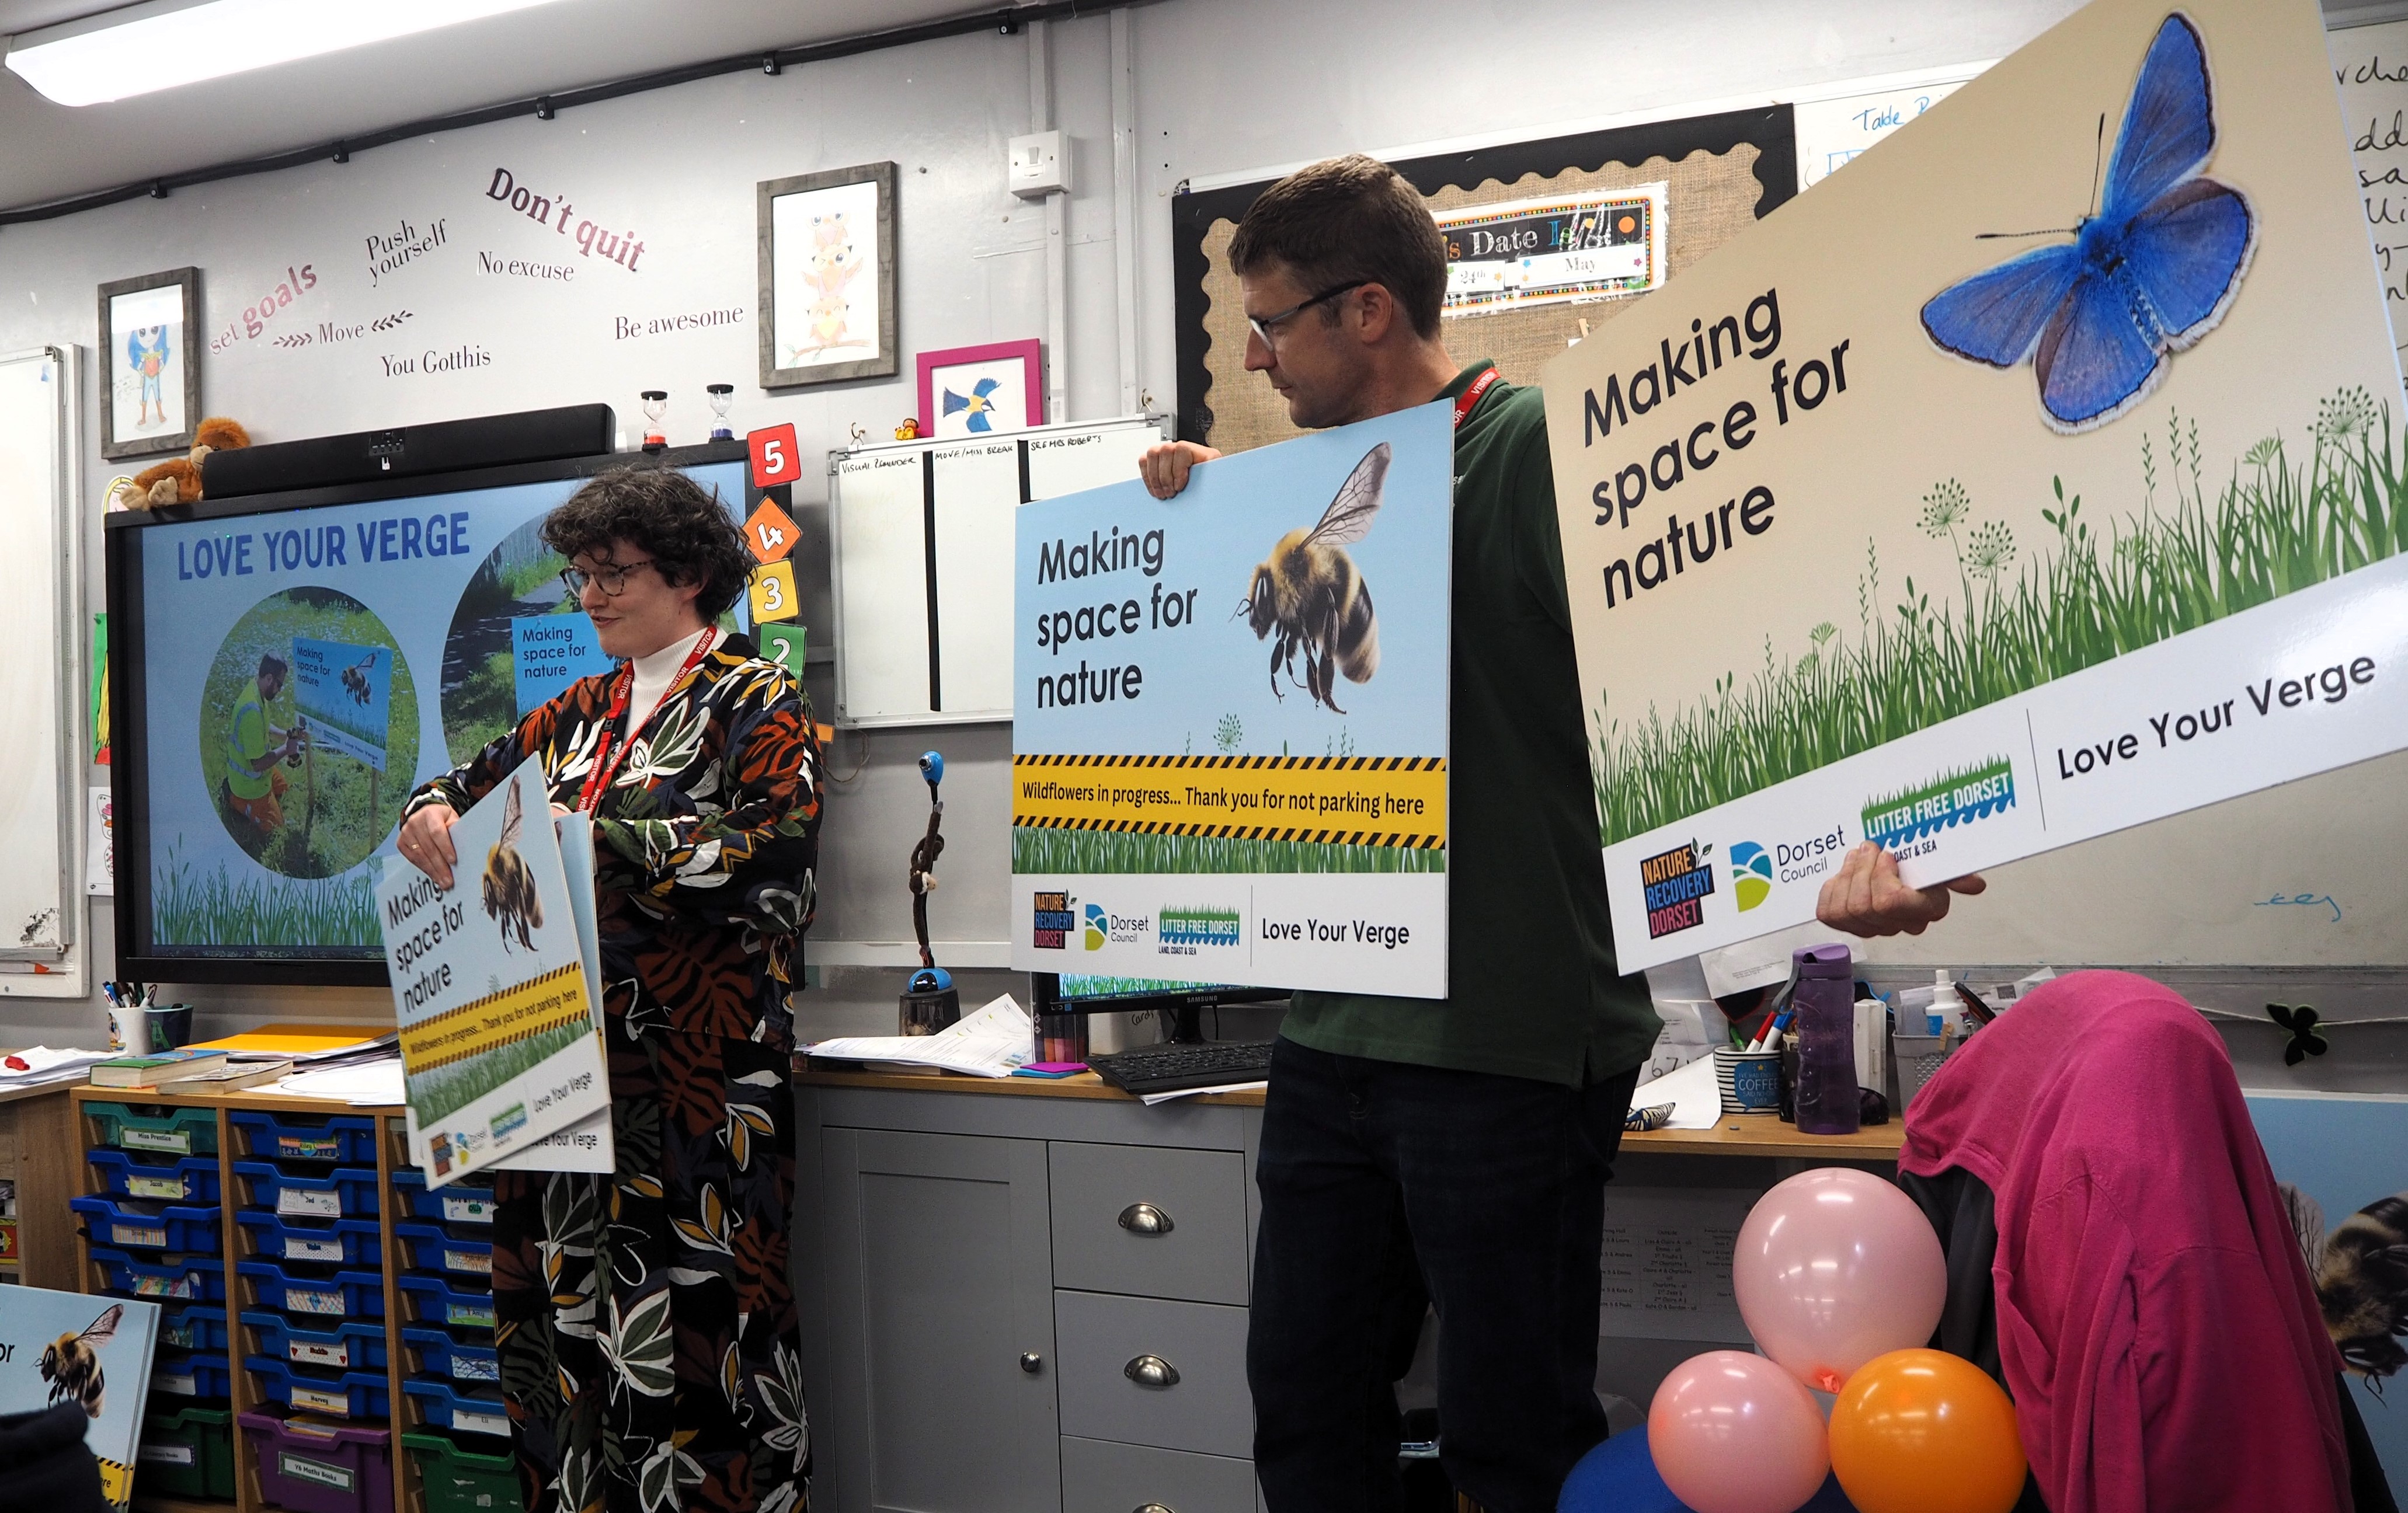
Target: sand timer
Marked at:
656, 409
722, 397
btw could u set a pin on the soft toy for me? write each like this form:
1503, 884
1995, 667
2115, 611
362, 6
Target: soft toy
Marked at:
177, 480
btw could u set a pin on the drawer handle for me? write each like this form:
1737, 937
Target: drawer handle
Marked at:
1031, 1361
1152, 1508
1151, 1371
1145, 1219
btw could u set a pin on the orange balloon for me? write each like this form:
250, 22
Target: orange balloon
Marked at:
1926, 1432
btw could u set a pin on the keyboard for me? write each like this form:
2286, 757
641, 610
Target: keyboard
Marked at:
1175, 1069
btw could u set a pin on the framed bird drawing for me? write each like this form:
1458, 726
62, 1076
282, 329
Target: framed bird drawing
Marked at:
972, 391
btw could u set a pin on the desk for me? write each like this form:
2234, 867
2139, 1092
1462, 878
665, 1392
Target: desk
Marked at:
980, 1242
41, 1153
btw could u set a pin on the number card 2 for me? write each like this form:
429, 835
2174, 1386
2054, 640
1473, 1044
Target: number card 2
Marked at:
777, 456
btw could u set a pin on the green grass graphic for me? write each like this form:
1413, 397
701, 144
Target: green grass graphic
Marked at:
196, 908
439, 1094
2177, 563
1039, 851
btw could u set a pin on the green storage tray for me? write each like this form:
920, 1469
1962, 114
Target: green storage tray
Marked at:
461, 1480
187, 1453
182, 1132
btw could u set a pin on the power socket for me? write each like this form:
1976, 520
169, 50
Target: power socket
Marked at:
1039, 164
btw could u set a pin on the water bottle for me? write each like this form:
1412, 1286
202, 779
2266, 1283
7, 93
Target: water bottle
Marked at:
1826, 1021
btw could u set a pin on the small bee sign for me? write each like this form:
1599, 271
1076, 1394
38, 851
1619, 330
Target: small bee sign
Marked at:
70, 1347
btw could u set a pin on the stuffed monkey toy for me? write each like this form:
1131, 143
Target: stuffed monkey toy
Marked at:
177, 480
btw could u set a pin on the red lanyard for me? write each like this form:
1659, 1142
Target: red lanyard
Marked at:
597, 782
1470, 399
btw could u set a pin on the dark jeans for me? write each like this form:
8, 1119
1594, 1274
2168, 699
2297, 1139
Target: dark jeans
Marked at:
1387, 1187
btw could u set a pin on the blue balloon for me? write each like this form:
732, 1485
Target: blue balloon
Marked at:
1619, 1476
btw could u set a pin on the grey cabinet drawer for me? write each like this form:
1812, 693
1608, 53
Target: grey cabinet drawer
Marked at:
1192, 1245
1100, 1477
1207, 1411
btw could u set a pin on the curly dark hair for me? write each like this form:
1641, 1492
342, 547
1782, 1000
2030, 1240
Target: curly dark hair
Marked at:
687, 533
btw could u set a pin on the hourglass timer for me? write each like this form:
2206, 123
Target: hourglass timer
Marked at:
656, 407
722, 396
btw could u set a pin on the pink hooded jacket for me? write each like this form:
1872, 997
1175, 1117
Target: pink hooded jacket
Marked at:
2156, 1325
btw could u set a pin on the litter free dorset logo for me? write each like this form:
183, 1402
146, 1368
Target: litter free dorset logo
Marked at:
1906, 822
1751, 873
1677, 882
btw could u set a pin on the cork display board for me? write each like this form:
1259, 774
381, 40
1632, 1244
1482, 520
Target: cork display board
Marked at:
1723, 173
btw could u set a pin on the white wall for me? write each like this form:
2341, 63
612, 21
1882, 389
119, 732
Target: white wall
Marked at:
1222, 86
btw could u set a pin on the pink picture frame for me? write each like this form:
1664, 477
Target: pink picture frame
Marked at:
993, 390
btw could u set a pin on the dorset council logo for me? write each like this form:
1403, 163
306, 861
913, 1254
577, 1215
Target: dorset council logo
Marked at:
1751, 873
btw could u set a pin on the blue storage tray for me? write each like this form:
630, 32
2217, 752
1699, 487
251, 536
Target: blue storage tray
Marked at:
194, 1326
433, 1300
343, 1348
129, 1223
342, 1242
190, 1179
430, 1247
199, 1373
174, 1132
187, 1278
446, 1406
435, 1352
315, 1292
459, 1203
345, 1394
345, 1193
349, 1138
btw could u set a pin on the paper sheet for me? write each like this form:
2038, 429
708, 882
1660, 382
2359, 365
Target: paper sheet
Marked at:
1696, 1099
989, 1043
1665, 1267
1152, 1098
366, 1084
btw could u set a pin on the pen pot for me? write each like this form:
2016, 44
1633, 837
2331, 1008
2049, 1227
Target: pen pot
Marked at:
1750, 1081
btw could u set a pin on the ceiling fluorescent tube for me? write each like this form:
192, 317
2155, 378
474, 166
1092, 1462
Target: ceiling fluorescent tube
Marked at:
141, 49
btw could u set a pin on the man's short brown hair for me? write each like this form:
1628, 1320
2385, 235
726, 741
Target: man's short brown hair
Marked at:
1343, 221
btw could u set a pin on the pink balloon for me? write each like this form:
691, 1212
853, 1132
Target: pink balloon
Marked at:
1834, 1267
1733, 1432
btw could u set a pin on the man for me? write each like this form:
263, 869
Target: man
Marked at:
254, 750
1449, 1152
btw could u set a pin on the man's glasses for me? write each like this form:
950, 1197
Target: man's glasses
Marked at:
613, 578
1262, 325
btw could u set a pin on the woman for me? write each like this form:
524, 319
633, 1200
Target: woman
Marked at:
650, 1349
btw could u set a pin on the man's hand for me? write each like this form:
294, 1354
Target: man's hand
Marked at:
1866, 898
1165, 467
427, 840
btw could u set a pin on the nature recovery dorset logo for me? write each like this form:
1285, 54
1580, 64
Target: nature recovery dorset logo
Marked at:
1751, 873
1677, 882
1054, 920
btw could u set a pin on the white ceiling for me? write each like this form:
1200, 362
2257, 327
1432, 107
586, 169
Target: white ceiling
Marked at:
53, 151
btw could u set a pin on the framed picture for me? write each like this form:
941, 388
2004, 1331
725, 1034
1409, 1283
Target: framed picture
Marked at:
981, 391
827, 277
149, 366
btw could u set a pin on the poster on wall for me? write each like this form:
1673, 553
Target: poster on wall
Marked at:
1601, 245
1960, 511
150, 397
828, 275
2366, 62
500, 1044
1228, 765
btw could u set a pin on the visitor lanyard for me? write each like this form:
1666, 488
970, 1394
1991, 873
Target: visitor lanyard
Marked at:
597, 782
1470, 399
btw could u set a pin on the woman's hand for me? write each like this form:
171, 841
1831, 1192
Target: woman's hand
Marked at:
426, 842
1868, 898
1165, 466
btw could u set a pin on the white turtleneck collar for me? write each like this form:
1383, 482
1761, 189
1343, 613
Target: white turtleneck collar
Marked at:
653, 673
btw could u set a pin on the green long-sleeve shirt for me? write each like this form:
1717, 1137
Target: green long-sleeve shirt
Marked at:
1532, 986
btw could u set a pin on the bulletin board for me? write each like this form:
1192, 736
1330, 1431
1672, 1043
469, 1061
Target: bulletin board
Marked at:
1723, 172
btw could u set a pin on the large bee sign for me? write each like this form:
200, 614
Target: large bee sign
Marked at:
501, 1043
343, 692
1230, 719
61, 1348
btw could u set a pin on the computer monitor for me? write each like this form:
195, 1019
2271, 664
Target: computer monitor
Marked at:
1068, 992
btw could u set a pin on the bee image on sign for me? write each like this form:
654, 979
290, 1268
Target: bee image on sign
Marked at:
511, 899
1312, 594
72, 1364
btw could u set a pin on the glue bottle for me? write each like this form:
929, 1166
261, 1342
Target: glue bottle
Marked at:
1824, 1002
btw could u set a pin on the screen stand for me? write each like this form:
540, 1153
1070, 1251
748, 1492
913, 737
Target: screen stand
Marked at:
1186, 1024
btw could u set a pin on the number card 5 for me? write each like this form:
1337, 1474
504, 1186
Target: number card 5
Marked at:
777, 457
773, 592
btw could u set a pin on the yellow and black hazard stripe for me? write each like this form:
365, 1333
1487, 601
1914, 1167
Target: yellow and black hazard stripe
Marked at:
1317, 837
1320, 763
555, 1000
1331, 801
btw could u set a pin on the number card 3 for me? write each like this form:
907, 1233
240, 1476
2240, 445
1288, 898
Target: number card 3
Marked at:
773, 592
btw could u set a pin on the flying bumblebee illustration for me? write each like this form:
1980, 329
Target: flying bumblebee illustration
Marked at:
2361, 1277
508, 886
71, 1365
1310, 593
355, 679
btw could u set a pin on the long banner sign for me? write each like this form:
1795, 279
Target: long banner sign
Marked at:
1965, 508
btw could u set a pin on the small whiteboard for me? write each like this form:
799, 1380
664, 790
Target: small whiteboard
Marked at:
921, 535
41, 742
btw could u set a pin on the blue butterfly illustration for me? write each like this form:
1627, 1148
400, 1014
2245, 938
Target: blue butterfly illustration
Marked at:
2150, 273
980, 404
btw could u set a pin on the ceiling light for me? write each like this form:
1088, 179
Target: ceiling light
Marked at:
157, 46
